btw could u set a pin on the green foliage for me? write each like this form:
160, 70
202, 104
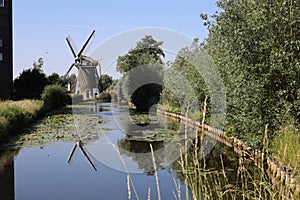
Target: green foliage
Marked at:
72, 81
30, 84
62, 130
286, 145
142, 70
146, 96
105, 96
184, 74
54, 96
256, 46
16, 115
105, 82
146, 52
55, 79
38, 64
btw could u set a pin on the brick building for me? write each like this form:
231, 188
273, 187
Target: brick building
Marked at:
6, 49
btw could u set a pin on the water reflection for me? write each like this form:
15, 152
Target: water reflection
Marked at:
42, 173
7, 190
134, 149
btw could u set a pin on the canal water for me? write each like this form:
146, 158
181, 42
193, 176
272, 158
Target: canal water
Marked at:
112, 157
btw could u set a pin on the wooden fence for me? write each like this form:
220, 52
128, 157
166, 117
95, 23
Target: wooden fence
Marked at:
278, 174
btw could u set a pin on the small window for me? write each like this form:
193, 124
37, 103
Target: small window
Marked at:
1, 43
1, 3
1, 56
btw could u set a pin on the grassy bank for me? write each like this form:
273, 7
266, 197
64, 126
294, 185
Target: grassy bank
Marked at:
242, 182
15, 115
286, 146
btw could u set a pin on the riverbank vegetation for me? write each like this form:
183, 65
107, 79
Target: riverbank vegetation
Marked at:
142, 79
255, 46
227, 181
285, 146
15, 115
35, 94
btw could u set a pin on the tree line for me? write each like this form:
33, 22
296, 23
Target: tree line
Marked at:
255, 46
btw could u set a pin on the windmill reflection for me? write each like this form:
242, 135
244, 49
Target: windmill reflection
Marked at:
80, 145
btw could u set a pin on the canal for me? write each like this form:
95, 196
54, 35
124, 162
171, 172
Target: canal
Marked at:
112, 158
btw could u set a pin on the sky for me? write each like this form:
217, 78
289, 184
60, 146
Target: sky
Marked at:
40, 28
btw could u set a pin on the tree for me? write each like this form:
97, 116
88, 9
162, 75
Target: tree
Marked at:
55, 79
72, 81
146, 52
141, 64
38, 64
255, 45
105, 82
30, 84
185, 64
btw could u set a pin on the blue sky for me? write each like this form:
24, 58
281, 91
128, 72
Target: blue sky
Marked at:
40, 27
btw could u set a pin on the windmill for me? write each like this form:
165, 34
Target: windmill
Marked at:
87, 77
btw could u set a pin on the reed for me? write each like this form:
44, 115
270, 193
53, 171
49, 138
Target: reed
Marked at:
156, 173
286, 146
247, 182
129, 179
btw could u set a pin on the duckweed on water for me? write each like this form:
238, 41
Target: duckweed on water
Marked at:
59, 128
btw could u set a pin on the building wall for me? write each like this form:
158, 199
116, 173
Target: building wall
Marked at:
6, 49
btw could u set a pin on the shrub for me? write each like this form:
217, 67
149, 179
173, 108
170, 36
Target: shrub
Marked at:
16, 118
105, 96
54, 96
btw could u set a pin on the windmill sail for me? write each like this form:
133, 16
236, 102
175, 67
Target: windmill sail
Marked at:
87, 77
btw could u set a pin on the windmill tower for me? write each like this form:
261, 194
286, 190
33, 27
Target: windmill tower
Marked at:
87, 77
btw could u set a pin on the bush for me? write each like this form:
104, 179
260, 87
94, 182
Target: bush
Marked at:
54, 96
105, 96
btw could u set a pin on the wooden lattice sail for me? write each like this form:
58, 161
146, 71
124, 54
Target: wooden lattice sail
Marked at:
87, 77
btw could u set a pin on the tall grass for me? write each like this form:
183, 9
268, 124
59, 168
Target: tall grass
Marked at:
285, 147
15, 115
245, 182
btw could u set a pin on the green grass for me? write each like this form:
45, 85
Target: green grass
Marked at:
15, 115
245, 182
286, 146
250, 182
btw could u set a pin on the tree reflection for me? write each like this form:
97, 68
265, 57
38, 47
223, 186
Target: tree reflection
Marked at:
7, 190
140, 152
159, 132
